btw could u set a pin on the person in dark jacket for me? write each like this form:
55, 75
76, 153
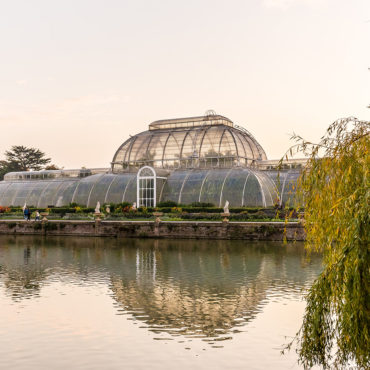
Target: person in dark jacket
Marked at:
27, 214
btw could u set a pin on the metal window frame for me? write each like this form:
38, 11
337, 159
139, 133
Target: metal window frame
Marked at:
154, 178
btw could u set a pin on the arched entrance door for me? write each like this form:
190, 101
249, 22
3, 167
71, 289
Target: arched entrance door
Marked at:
146, 187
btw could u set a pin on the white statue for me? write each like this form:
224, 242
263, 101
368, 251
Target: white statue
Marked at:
134, 205
97, 209
107, 208
226, 208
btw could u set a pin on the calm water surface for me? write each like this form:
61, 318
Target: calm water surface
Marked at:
84, 303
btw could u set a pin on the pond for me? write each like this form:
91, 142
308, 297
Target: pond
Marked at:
100, 303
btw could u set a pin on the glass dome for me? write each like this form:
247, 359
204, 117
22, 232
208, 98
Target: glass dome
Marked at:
211, 141
186, 160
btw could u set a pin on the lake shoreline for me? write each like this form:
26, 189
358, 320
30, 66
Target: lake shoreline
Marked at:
212, 230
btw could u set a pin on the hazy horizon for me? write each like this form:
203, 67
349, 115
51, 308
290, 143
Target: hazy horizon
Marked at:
79, 77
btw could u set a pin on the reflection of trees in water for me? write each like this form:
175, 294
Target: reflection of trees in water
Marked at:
194, 288
23, 275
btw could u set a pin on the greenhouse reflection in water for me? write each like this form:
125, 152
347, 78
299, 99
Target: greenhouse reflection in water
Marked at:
188, 289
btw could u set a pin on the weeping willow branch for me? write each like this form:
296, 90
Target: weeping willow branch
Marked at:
335, 190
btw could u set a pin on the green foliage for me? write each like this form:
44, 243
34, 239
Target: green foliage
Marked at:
21, 158
336, 194
202, 209
202, 204
4, 169
52, 167
24, 159
167, 203
121, 207
201, 216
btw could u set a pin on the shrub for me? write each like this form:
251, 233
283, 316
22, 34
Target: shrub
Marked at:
165, 209
63, 210
88, 210
202, 210
74, 204
200, 216
202, 205
167, 203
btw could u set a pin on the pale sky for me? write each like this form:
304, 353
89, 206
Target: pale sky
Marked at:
78, 77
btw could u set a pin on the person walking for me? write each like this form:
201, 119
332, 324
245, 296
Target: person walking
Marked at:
37, 216
27, 214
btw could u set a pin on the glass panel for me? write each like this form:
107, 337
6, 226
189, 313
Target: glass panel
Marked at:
139, 152
160, 188
35, 192
252, 192
100, 189
246, 144
290, 188
188, 158
172, 150
268, 188
155, 149
233, 188
48, 195
146, 172
24, 192
212, 186
118, 187
83, 190
65, 198
59, 200
286, 183
146, 193
121, 155
10, 194
191, 190
172, 187
228, 150
241, 146
209, 149
130, 192
3, 191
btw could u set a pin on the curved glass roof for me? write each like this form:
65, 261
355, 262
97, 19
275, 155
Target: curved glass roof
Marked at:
53, 174
196, 142
208, 120
240, 186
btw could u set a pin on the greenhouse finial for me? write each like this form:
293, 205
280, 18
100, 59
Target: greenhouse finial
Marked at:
210, 112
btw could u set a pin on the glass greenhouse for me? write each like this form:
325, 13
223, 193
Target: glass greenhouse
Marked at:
197, 159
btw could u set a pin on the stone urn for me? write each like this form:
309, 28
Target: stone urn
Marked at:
225, 216
157, 216
44, 216
97, 216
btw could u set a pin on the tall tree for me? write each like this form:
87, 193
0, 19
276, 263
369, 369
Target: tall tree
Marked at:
21, 158
4, 168
25, 159
336, 194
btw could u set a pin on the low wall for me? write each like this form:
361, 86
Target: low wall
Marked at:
151, 229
